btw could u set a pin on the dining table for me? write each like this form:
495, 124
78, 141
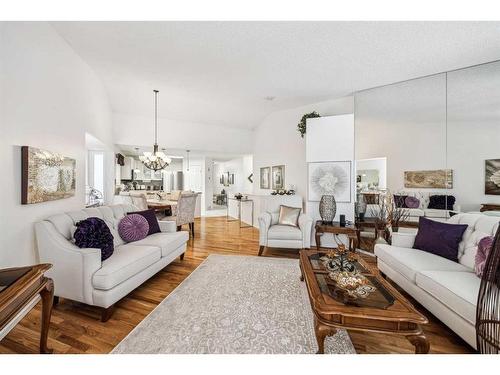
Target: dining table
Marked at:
165, 206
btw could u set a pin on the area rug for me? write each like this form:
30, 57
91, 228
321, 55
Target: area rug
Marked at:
234, 304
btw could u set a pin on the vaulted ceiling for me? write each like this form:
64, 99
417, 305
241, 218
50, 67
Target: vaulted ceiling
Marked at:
222, 72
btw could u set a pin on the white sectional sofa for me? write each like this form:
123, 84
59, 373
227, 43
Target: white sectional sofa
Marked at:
448, 289
80, 275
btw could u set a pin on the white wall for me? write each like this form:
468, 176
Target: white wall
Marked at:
331, 138
138, 130
278, 142
49, 99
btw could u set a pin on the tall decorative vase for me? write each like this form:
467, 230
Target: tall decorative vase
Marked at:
327, 208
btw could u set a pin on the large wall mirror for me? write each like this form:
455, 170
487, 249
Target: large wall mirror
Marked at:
473, 136
400, 137
435, 139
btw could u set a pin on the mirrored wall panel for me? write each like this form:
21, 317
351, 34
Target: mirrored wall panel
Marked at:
400, 144
473, 136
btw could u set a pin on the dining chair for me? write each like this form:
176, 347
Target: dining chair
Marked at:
184, 212
139, 200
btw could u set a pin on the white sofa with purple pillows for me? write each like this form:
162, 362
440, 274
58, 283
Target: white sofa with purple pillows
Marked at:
448, 289
424, 204
80, 275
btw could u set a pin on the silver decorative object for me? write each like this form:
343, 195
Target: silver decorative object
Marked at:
327, 208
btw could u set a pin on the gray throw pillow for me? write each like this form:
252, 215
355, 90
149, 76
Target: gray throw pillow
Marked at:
289, 216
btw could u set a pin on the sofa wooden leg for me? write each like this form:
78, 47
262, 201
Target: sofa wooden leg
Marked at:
106, 313
182, 256
261, 249
179, 227
55, 301
192, 228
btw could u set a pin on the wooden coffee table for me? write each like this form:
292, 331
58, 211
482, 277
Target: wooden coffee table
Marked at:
383, 310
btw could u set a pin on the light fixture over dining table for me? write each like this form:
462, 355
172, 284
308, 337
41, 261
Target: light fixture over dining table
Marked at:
155, 160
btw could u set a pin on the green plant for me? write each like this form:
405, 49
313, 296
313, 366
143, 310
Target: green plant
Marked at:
301, 127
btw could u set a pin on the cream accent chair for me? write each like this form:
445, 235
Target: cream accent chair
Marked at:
80, 275
184, 211
271, 234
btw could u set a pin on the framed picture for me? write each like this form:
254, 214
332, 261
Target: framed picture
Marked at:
46, 176
329, 178
278, 174
436, 179
492, 177
265, 178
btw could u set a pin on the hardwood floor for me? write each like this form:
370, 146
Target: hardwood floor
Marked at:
76, 328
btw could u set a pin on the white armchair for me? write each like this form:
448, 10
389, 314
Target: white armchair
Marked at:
271, 234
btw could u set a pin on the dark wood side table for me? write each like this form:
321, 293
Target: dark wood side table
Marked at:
335, 228
20, 289
489, 207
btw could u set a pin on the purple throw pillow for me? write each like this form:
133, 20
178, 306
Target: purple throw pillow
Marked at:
439, 238
133, 228
412, 202
483, 250
94, 233
441, 202
150, 216
400, 200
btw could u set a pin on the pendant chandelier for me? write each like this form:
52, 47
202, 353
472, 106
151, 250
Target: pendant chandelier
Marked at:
155, 160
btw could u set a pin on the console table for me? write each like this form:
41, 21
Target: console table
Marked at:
239, 202
20, 290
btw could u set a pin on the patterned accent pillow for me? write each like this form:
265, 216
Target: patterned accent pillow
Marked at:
94, 233
483, 250
133, 227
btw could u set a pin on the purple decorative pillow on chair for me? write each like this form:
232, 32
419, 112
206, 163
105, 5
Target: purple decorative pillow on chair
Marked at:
133, 227
94, 233
439, 238
150, 217
483, 250
412, 202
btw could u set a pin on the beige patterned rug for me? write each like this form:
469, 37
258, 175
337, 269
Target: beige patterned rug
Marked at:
234, 304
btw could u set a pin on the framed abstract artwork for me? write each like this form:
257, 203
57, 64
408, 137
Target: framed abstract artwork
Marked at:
46, 176
278, 176
329, 178
265, 178
492, 177
435, 179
